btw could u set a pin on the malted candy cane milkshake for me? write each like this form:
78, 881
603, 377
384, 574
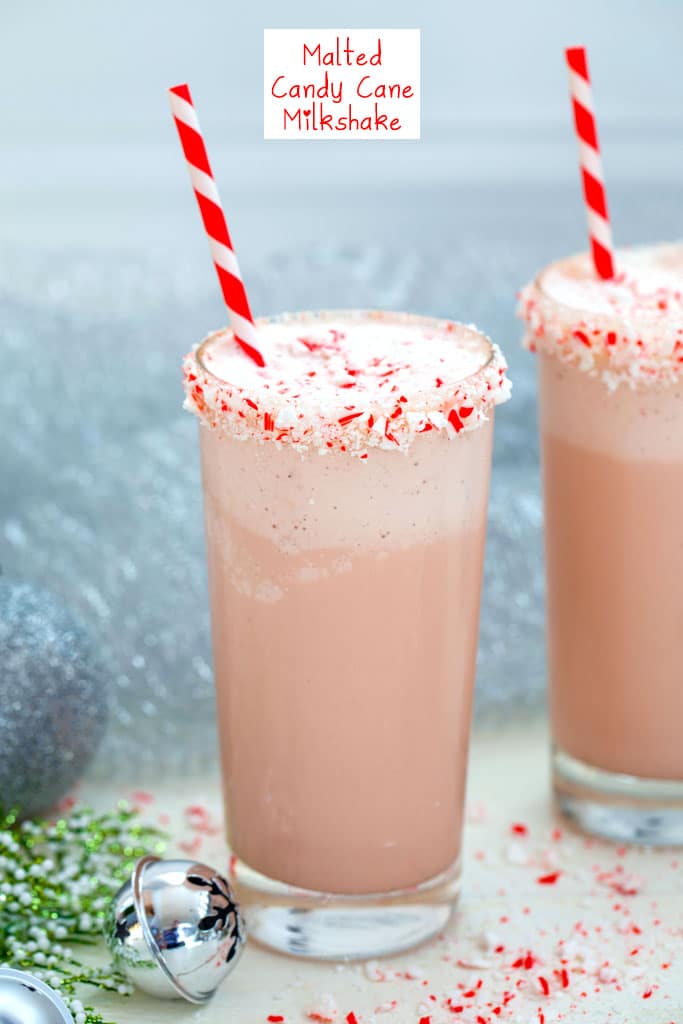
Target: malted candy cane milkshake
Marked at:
345, 499
611, 419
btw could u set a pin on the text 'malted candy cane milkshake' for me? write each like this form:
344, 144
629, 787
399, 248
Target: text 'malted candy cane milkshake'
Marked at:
345, 488
611, 419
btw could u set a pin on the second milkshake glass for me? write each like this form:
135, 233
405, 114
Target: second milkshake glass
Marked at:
611, 420
345, 576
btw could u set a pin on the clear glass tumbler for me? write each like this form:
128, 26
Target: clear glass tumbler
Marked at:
611, 422
345, 598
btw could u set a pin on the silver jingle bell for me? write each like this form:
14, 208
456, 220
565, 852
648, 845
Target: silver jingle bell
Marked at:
175, 930
26, 1000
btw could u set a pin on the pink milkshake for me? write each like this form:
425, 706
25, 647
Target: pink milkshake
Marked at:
611, 419
345, 501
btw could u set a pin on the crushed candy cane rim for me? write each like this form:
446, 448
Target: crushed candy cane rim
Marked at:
387, 422
639, 343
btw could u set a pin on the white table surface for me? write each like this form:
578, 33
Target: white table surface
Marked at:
613, 920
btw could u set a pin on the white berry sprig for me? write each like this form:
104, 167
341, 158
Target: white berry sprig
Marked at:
57, 880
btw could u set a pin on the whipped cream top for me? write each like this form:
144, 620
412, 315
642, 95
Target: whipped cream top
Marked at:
347, 380
629, 329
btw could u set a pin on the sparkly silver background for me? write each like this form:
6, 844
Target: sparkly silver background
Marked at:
104, 502
101, 497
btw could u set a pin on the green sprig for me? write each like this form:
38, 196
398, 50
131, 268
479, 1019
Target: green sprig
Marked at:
57, 879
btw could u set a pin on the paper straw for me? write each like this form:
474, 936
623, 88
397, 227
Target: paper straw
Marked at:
590, 161
213, 218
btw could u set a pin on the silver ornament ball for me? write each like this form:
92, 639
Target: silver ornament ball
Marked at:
26, 1000
53, 698
175, 930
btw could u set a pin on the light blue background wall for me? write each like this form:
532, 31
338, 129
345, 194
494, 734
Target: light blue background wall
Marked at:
88, 150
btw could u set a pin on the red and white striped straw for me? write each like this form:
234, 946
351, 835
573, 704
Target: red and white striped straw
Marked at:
599, 230
206, 192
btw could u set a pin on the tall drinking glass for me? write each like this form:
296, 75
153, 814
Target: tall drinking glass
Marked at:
345, 493
611, 421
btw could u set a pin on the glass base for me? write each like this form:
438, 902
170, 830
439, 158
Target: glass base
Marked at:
620, 807
322, 926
